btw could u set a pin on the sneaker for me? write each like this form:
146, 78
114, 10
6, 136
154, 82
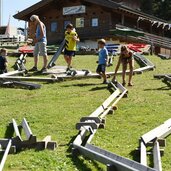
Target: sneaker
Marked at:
130, 84
124, 83
68, 69
105, 82
33, 69
43, 70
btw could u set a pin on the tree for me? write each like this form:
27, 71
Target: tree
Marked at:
158, 8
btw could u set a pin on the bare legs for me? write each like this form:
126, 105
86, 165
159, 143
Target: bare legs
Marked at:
131, 67
45, 61
124, 68
68, 60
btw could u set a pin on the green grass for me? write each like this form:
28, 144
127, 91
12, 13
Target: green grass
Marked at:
56, 108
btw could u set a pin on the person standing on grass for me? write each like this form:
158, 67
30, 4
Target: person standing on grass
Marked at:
71, 38
40, 44
103, 59
3, 61
126, 58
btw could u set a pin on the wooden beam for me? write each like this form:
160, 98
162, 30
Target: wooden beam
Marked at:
158, 132
26, 128
105, 104
5, 154
157, 157
12, 73
143, 154
108, 158
15, 126
29, 135
18, 78
81, 135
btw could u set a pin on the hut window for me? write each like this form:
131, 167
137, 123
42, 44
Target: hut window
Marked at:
66, 23
79, 22
95, 22
54, 26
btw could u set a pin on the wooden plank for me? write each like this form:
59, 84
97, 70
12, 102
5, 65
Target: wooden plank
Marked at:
56, 55
18, 78
5, 155
124, 91
97, 112
109, 100
15, 126
105, 104
143, 154
168, 129
157, 132
157, 157
159, 76
26, 128
12, 73
146, 68
108, 158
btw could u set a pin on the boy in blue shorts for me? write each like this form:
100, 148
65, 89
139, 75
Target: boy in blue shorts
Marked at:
102, 62
3, 61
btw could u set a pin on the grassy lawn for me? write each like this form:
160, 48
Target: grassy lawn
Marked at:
56, 108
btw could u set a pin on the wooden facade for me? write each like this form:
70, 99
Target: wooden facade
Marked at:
95, 20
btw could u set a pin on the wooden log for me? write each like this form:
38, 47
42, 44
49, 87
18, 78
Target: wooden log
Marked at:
5, 155
157, 157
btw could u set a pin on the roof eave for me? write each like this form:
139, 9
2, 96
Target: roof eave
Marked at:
28, 11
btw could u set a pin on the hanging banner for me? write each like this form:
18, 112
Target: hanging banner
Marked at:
74, 10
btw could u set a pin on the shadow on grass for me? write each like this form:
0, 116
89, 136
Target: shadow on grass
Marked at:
161, 88
98, 88
80, 85
9, 131
136, 155
80, 163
